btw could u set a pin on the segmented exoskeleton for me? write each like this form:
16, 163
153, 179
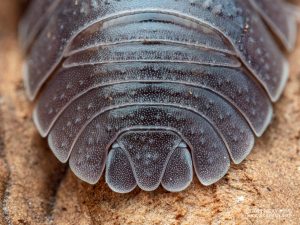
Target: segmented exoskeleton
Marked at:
154, 90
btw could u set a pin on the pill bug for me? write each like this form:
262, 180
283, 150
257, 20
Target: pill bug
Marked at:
149, 92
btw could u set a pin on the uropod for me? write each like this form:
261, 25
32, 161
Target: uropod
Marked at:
146, 93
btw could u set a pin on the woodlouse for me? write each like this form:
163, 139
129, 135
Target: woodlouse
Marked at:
155, 89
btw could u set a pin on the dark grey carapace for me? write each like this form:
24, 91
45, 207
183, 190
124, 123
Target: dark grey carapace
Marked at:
149, 92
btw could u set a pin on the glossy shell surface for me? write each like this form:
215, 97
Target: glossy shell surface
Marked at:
149, 92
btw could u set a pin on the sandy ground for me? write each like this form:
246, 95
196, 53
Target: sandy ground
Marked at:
36, 189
